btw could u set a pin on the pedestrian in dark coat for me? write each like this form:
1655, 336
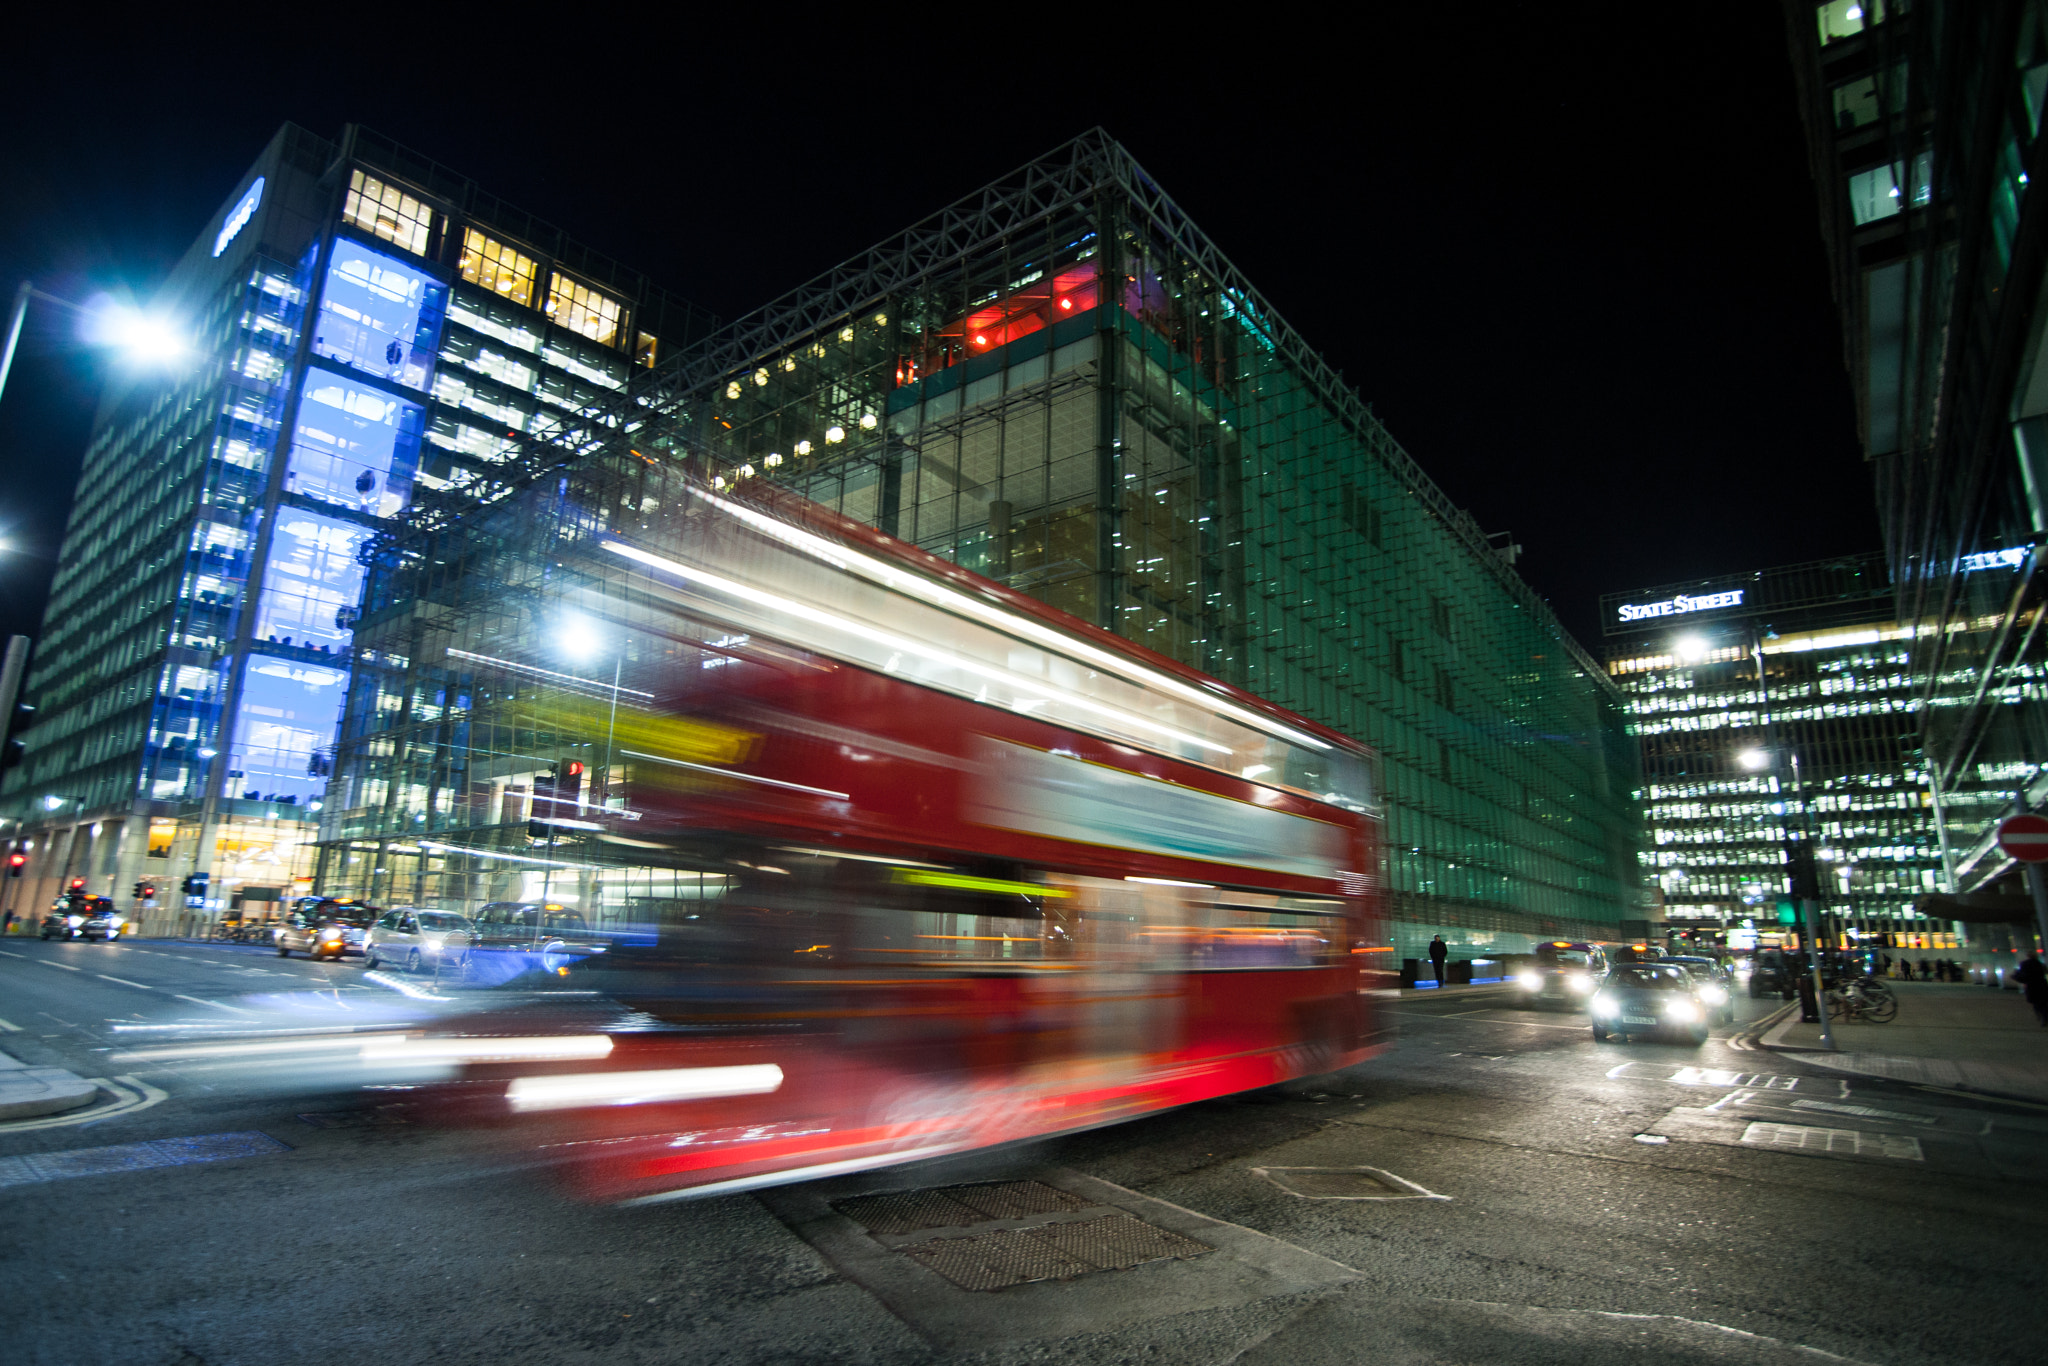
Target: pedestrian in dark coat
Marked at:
1438, 951
2033, 980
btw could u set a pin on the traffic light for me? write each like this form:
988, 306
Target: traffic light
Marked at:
78, 884
144, 892
1788, 911
15, 863
195, 884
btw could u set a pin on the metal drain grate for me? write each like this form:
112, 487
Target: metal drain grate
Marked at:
1015, 1199
991, 1261
956, 1206
1117, 1241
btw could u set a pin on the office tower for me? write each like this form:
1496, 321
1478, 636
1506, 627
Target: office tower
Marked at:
364, 324
1923, 126
1773, 707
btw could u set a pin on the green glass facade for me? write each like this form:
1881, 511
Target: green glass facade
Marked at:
1062, 384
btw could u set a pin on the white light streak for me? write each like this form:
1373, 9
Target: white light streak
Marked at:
642, 1088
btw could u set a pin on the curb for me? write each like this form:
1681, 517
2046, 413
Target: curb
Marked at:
1773, 1037
28, 1092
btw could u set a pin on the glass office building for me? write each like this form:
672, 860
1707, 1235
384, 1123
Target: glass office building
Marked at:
367, 325
1060, 383
1923, 124
1782, 705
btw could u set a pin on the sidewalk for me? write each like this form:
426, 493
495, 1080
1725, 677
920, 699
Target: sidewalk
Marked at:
1431, 991
1964, 1037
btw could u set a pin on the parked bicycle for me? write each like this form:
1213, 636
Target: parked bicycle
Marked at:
1862, 999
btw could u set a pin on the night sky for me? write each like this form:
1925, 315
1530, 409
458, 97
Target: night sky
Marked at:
1572, 260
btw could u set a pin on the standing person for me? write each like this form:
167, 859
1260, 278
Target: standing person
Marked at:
1438, 951
1885, 960
2033, 980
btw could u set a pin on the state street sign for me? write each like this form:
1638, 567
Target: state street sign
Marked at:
2025, 838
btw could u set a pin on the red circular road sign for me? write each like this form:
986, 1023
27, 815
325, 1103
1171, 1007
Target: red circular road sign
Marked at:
2025, 838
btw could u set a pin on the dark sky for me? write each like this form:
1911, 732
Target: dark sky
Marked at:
1570, 257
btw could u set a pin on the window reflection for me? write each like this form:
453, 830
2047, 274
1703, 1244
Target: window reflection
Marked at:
354, 446
387, 211
379, 315
583, 310
288, 711
498, 268
313, 575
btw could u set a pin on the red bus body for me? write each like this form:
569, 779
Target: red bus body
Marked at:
942, 920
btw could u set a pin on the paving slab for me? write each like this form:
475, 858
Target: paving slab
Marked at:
1951, 1035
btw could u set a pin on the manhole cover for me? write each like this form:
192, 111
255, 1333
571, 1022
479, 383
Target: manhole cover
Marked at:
1344, 1183
956, 1206
991, 1261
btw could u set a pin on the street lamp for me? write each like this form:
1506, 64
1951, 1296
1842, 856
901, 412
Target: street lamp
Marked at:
1755, 760
149, 338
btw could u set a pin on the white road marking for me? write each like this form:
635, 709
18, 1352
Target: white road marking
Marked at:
123, 981
12, 954
10, 1028
1810, 1139
66, 966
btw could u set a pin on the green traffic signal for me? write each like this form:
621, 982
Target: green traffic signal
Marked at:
1788, 911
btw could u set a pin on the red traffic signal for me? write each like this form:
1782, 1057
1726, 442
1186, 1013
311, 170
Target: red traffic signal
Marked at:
570, 768
15, 863
78, 884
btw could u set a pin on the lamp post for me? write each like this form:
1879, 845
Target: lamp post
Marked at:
1807, 891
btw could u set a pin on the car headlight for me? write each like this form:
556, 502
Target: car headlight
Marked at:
1682, 1010
1603, 1004
74, 921
1579, 981
1529, 981
1714, 996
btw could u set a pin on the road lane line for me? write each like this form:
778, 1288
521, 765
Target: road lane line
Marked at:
66, 966
123, 981
12, 954
232, 1010
10, 1028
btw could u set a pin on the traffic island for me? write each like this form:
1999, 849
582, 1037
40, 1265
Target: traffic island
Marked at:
29, 1092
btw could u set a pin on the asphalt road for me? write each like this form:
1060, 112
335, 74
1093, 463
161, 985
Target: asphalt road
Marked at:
1539, 1198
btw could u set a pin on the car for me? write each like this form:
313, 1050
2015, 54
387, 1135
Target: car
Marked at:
1646, 998
331, 929
514, 937
102, 921
63, 923
1561, 977
1713, 982
414, 939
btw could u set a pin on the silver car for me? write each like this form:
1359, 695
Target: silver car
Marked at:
417, 939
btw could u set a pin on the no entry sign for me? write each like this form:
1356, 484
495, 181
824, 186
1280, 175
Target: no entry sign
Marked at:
2025, 838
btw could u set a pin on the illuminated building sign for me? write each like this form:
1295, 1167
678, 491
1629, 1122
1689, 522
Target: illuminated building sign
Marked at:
1995, 559
239, 216
1681, 604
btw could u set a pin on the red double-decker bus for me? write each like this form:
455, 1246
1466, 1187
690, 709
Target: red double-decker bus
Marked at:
965, 870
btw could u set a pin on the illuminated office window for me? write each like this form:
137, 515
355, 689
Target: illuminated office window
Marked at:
498, 268
643, 350
387, 211
583, 310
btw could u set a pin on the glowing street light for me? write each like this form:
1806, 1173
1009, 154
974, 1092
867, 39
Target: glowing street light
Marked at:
143, 337
1755, 760
1690, 649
